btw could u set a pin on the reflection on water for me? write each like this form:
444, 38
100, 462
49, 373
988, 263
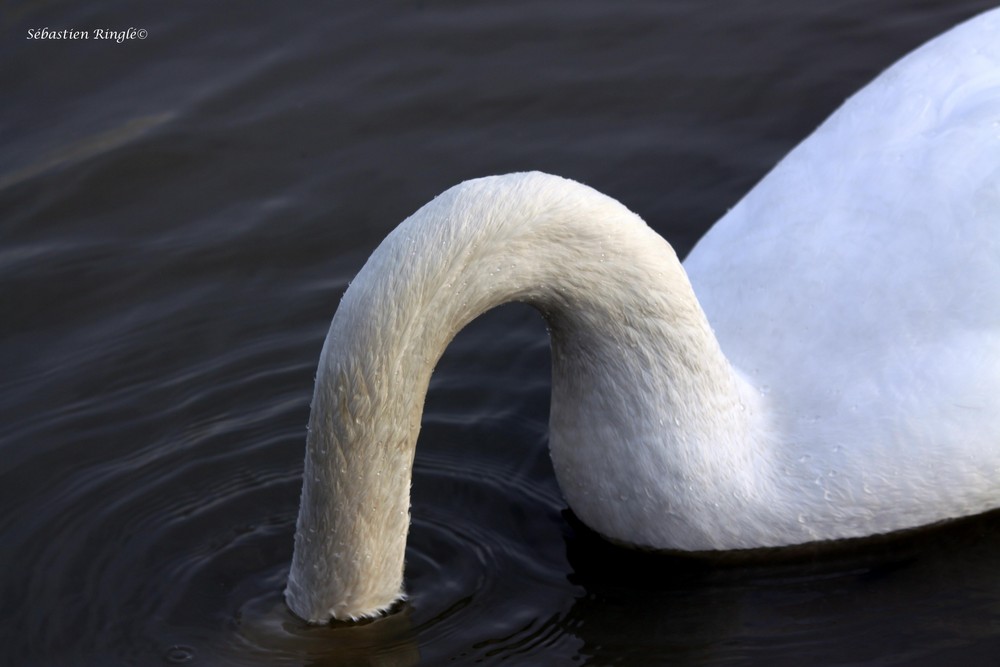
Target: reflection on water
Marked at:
179, 218
85, 149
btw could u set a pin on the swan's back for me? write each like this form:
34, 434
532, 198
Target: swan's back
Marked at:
859, 282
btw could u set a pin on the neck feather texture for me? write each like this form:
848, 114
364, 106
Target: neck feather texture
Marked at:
643, 400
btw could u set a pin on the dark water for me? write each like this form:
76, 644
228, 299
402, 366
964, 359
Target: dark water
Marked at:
178, 217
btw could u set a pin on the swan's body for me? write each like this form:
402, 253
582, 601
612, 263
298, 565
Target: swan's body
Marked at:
851, 387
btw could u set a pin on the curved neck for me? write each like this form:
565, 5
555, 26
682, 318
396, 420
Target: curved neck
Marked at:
631, 347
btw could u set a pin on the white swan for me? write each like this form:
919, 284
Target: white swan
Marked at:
851, 385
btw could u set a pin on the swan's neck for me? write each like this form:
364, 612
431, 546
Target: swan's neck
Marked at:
642, 397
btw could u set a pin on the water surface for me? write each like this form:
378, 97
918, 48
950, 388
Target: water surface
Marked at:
179, 216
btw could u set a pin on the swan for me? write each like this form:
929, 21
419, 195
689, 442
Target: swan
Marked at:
824, 365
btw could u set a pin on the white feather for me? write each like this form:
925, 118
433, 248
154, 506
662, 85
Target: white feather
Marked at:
851, 385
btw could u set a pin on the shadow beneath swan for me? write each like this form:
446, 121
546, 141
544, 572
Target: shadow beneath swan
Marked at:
918, 597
